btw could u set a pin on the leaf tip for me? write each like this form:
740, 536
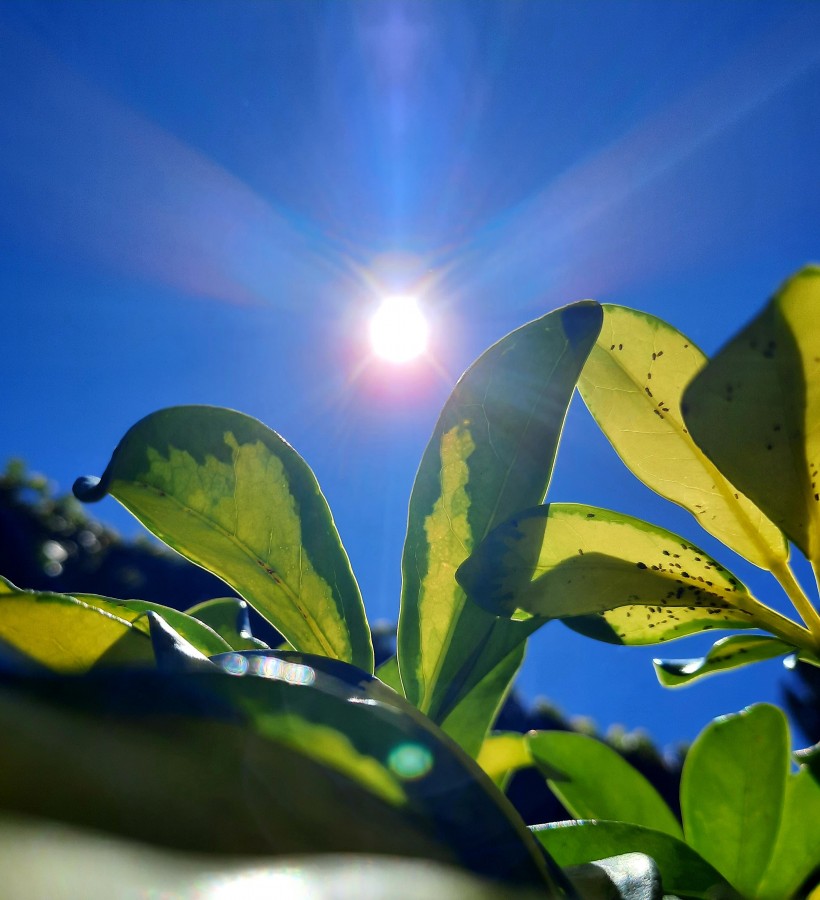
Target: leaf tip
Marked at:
89, 489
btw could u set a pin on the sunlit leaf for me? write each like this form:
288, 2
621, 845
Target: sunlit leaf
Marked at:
797, 850
388, 673
593, 781
228, 617
503, 754
733, 790
632, 383
66, 634
728, 653
491, 453
609, 576
755, 410
229, 494
683, 870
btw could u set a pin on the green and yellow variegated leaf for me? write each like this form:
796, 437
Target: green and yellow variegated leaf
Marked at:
728, 653
593, 781
633, 383
755, 410
491, 453
609, 576
733, 789
502, 754
228, 617
229, 494
67, 634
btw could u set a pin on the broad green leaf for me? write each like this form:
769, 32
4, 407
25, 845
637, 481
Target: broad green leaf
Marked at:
388, 673
683, 870
197, 633
229, 494
228, 617
733, 791
66, 634
755, 410
491, 453
502, 754
593, 781
797, 851
609, 576
632, 383
40, 859
727, 653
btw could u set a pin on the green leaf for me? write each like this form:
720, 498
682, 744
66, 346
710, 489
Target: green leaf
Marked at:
41, 859
205, 639
609, 576
66, 634
228, 617
683, 870
633, 383
733, 790
230, 495
491, 453
593, 781
727, 653
388, 673
755, 410
797, 849
502, 754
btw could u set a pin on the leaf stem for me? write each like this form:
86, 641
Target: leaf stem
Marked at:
783, 573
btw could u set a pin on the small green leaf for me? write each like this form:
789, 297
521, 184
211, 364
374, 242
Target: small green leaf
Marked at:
633, 383
491, 453
593, 781
755, 410
233, 497
66, 634
502, 754
228, 617
683, 870
727, 653
733, 790
609, 576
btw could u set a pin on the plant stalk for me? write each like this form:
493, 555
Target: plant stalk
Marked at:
783, 573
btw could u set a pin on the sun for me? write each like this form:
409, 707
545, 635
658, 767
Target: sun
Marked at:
398, 329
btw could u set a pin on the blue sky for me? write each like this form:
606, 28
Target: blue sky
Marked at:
203, 202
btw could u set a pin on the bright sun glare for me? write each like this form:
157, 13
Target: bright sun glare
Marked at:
398, 329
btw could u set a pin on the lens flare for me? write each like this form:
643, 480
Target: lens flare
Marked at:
410, 761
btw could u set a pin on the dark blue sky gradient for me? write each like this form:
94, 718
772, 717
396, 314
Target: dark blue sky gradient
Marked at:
202, 202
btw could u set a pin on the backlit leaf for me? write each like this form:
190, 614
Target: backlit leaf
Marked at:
609, 576
502, 754
727, 653
229, 494
755, 410
228, 617
632, 383
593, 781
491, 453
733, 791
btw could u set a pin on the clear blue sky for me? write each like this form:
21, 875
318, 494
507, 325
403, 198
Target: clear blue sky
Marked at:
201, 203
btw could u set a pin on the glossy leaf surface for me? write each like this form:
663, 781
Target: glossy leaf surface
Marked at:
228, 617
593, 781
229, 494
733, 791
608, 575
491, 453
633, 384
683, 870
755, 410
66, 634
727, 653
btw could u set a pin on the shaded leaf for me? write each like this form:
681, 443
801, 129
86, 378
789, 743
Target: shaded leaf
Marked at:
491, 453
727, 653
609, 576
683, 870
755, 410
633, 383
593, 781
732, 793
228, 617
631, 876
230, 495
66, 634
